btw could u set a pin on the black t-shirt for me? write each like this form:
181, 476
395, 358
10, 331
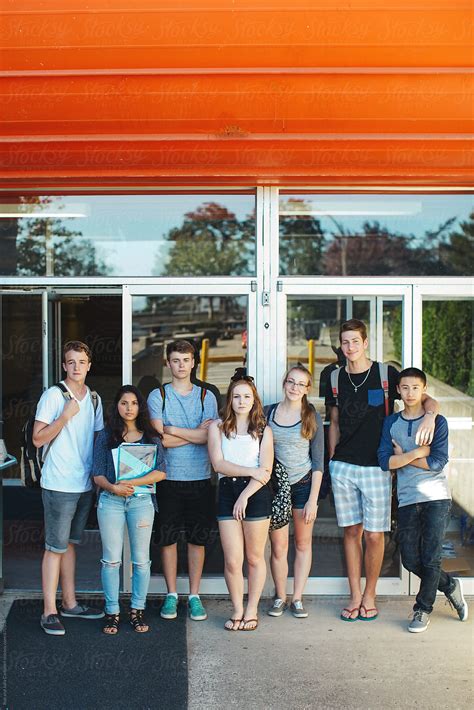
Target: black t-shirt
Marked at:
361, 414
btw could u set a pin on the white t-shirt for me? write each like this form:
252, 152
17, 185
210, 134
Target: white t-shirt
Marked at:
68, 465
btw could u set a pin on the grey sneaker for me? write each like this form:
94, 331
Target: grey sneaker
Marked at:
278, 607
52, 625
420, 622
298, 610
456, 599
81, 611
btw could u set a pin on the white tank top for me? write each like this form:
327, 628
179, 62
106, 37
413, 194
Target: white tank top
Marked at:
241, 449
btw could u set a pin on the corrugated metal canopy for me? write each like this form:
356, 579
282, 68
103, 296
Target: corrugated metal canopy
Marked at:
243, 92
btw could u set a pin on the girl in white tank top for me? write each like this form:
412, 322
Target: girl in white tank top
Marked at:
241, 451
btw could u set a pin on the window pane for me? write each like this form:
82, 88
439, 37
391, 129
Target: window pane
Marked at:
128, 235
313, 338
447, 361
215, 323
362, 235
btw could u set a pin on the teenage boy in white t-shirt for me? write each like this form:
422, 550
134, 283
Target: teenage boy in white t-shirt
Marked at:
68, 427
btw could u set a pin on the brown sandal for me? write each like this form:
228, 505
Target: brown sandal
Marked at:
248, 621
233, 622
137, 621
111, 624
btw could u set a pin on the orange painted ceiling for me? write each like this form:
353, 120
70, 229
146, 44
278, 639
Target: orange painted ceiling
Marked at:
236, 92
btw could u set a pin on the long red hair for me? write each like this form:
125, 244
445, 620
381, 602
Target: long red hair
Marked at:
257, 419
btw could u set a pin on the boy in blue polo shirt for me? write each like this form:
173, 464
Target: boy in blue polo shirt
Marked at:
424, 498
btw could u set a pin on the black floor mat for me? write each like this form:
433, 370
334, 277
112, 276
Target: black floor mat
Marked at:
85, 669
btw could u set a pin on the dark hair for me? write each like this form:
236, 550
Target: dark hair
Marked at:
79, 347
180, 346
257, 419
308, 419
413, 372
353, 324
116, 424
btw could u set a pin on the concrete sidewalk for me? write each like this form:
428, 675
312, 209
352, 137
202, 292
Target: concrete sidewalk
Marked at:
322, 662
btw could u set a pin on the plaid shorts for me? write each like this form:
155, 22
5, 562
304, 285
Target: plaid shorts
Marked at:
362, 494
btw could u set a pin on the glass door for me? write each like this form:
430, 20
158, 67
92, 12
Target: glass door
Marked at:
443, 315
309, 316
220, 320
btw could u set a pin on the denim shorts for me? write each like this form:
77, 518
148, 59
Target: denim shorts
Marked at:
259, 505
65, 517
300, 491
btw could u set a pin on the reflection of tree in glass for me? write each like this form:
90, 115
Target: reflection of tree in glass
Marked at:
47, 246
374, 250
302, 240
210, 242
454, 248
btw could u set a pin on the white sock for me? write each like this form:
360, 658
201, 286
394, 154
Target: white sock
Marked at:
193, 596
172, 594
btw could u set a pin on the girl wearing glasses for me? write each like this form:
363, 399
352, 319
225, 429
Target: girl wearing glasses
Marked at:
299, 445
241, 451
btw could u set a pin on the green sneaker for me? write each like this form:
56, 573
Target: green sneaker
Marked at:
196, 609
169, 609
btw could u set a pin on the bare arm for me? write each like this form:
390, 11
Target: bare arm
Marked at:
425, 432
254, 485
190, 436
168, 441
413, 457
44, 433
334, 433
124, 488
226, 468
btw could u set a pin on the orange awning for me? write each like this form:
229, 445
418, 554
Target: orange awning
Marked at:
236, 93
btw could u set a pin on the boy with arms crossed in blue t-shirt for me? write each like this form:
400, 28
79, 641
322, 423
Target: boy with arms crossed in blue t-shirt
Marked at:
186, 498
424, 498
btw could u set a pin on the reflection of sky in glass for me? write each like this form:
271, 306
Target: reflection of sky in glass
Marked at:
130, 231
424, 212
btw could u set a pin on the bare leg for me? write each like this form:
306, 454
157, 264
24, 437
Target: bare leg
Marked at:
50, 579
68, 577
169, 560
279, 560
255, 535
232, 541
196, 555
353, 553
304, 552
373, 558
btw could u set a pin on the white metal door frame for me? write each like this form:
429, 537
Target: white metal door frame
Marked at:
339, 288
256, 344
439, 289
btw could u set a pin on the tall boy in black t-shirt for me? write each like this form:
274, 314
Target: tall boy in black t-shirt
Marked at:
362, 491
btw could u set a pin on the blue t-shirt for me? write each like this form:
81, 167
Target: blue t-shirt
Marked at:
189, 462
416, 485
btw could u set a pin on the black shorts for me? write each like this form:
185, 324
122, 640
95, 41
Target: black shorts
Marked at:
259, 506
185, 506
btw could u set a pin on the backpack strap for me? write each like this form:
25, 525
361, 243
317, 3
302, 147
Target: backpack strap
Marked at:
163, 397
203, 397
162, 389
335, 384
383, 372
67, 396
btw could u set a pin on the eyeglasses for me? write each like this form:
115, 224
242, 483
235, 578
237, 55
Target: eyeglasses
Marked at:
298, 385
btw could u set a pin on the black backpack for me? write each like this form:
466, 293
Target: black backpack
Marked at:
32, 457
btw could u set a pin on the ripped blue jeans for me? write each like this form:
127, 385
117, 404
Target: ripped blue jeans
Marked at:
113, 512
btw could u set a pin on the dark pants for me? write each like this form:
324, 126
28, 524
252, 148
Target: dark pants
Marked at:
421, 529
